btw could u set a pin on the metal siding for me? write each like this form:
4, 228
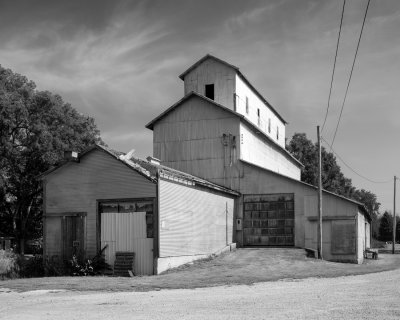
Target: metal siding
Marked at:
212, 72
76, 187
242, 91
190, 139
193, 221
127, 232
255, 150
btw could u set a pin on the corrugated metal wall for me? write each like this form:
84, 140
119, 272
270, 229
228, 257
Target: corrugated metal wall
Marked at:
212, 72
193, 221
126, 231
76, 187
190, 139
255, 149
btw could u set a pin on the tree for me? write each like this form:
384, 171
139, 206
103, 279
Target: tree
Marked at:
372, 205
397, 229
35, 129
386, 227
332, 177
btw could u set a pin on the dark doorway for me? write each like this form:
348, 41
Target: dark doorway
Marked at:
210, 91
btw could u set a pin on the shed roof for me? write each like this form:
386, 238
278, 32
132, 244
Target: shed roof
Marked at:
241, 75
150, 170
286, 153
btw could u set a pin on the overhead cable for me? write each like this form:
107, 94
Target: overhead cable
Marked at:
334, 66
351, 73
360, 175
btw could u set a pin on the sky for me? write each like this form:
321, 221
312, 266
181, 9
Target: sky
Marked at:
119, 61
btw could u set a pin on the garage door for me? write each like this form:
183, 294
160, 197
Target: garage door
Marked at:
268, 220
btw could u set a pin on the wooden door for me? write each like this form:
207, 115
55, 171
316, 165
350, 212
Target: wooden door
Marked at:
73, 237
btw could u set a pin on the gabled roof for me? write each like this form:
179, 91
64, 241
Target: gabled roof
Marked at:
151, 124
241, 75
360, 205
150, 170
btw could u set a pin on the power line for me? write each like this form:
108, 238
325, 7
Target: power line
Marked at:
360, 175
334, 65
351, 73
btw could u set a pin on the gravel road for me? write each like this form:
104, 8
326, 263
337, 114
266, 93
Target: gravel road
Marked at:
371, 296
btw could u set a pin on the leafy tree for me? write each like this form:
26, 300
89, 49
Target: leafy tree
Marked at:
386, 227
332, 177
397, 229
35, 129
372, 205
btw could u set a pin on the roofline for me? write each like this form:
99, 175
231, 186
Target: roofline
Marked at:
150, 125
308, 185
240, 74
207, 56
84, 153
172, 171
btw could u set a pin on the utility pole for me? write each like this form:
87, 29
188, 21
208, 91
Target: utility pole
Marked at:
319, 196
394, 216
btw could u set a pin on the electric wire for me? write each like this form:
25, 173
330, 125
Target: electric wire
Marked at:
360, 175
351, 73
334, 66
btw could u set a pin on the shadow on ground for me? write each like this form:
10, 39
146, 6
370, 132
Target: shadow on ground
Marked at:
243, 267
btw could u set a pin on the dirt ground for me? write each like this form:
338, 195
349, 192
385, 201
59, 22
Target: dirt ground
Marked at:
370, 296
243, 267
247, 284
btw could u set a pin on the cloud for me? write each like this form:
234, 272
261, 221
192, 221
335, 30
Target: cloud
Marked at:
119, 62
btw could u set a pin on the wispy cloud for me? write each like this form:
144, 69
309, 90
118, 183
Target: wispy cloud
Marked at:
119, 60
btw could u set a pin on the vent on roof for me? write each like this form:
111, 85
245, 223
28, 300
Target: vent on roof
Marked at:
153, 160
71, 156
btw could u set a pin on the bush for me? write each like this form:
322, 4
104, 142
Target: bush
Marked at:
9, 267
81, 269
31, 267
90, 267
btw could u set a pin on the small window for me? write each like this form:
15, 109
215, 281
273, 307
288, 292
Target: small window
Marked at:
247, 105
269, 125
210, 91
277, 133
258, 117
258, 112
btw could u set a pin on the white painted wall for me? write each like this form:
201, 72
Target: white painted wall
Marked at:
361, 239
212, 72
242, 91
255, 150
193, 221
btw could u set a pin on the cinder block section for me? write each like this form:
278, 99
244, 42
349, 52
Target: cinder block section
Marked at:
166, 263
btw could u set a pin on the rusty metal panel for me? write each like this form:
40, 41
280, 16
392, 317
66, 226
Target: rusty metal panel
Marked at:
344, 235
126, 231
193, 220
268, 219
